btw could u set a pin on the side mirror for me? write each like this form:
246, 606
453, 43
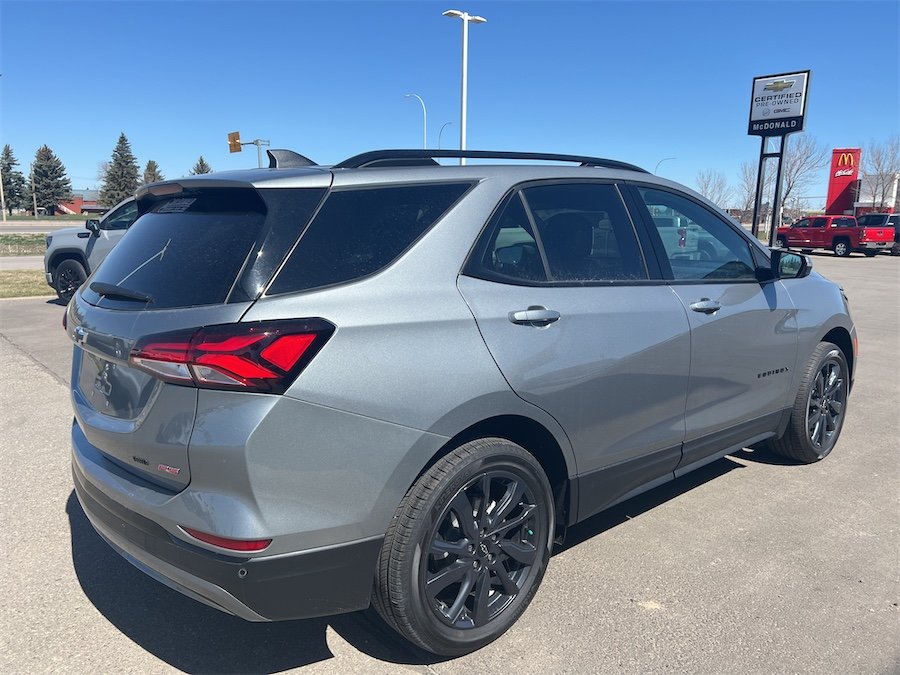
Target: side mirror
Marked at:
789, 265
93, 225
510, 255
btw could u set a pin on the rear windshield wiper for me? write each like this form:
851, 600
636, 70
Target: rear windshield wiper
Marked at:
113, 291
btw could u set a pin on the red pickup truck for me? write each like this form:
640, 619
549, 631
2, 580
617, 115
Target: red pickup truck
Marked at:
842, 234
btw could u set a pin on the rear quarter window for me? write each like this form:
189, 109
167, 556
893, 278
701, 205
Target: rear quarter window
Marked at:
359, 232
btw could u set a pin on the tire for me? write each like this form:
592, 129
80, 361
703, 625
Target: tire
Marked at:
895, 249
819, 409
67, 277
781, 242
447, 583
841, 248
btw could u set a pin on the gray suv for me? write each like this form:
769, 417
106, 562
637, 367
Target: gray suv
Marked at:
305, 389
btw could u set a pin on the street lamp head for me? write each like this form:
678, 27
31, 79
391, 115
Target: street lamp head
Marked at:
465, 16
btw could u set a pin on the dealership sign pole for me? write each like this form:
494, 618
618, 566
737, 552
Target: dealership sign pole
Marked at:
777, 108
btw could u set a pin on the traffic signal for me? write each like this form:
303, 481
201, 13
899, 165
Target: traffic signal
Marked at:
234, 141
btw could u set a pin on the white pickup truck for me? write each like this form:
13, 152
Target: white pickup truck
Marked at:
75, 252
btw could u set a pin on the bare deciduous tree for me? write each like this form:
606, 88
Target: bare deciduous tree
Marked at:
881, 164
803, 157
714, 186
746, 187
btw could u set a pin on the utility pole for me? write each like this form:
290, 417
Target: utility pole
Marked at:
2, 196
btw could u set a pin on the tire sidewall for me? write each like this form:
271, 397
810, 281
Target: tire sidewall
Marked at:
500, 455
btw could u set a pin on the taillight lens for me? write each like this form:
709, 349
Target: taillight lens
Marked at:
264, 356
863, 234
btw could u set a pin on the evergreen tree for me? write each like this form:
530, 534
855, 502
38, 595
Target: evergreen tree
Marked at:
121, 177
14, 190
152, 173
51, 185
201, 167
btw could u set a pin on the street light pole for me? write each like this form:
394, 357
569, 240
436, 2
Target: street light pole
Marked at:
424, 119
664, 159
441, 132
466, 19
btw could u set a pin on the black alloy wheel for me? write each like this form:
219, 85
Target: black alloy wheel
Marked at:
825, 406
467, 548
69, 276
483, 547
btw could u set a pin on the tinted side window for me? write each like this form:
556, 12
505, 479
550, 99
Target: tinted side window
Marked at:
359, 232
122, 218
801, 223
585, 232
511, 251
698, 244
843, 222
818, 222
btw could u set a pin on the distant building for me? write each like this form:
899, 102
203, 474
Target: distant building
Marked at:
82, 201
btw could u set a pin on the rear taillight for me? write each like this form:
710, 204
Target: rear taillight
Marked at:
265, 356
862, 234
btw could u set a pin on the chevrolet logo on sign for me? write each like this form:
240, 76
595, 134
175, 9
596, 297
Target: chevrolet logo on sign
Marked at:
846, 159
779, 85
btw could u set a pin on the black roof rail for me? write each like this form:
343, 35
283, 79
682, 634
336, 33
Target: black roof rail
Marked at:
287, 159
427, 157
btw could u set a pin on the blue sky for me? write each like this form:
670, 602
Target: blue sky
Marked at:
636, 81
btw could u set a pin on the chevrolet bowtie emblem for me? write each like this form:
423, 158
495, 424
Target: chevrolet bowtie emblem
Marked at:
779, 85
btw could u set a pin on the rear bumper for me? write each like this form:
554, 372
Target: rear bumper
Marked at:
875, 245
318, 582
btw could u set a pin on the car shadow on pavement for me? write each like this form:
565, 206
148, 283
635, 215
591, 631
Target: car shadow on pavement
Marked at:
761, 454
198, 639
634, 507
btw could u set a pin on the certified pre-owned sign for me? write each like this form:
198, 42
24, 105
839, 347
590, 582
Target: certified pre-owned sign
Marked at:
778, 104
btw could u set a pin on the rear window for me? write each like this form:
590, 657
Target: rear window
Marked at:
872, 220
358, 232
205, 247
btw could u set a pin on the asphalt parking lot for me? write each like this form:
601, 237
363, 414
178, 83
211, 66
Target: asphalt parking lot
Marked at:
749, 565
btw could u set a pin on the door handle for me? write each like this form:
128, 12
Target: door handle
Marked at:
706, 306
536, 315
